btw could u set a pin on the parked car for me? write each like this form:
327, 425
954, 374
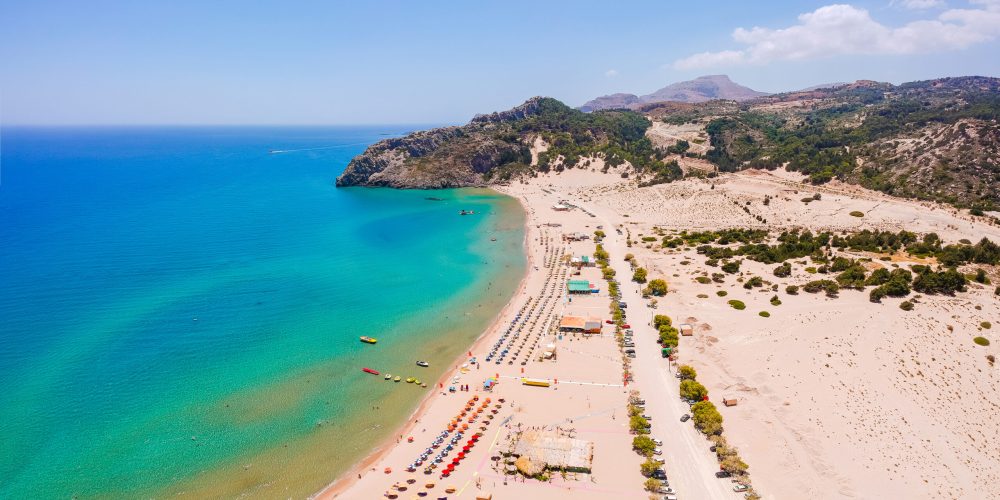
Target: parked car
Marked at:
626, 326
713, 448
608, 321
722, 474
657, 442
670, 496
739, 488
665, 490
623, 305
685, 417
629, 344
659, 474
657, 451
647, 417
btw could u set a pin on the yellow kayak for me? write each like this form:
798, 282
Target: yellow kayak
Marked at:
397, 379
368, 340
410, 380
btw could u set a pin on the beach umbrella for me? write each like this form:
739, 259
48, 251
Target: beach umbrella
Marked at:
465, 449
461, 454
412, 479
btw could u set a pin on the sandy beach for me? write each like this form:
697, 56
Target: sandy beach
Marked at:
838, 398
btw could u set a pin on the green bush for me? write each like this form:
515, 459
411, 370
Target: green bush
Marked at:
644, 445
906, 305
775, 301
731, 267
660, 320
687, 372
722, 293
706, 418
784, 270
657, 288
737, 304
983, 341
857, 213
692, 389
811, 270
704, 280
764, 314
986, 325
792, 290
639, 276
649, 467
652, 484
754, 282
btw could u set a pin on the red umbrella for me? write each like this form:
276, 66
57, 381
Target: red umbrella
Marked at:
461, 454
475, 437
455, 461
466, 448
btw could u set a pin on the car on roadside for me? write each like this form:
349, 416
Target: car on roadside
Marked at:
659, 474
657, 442
670, 496
610, 322
629, 344
685, 417
723, 474
665, 490
647, 417
657, 451
626, 326
740, 488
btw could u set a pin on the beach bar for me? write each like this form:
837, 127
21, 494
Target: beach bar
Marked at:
580, 324
578, 286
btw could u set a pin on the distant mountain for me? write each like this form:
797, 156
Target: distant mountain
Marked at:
701, 89
823, 86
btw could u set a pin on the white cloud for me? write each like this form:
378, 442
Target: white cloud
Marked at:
921, 4
844, 29
611, 73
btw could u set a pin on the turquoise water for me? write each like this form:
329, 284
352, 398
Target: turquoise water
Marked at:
181, 308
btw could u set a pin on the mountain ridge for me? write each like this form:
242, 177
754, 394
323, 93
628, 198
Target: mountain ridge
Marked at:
701, 89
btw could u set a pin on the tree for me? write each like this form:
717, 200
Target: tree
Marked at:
692, 389
639, 276
598, 235
608, 272
669, 336
652, 484
706, 417
638, 425
649, 467
687, 372
644, 445
792, 290
660, 320
733, 464
657, 287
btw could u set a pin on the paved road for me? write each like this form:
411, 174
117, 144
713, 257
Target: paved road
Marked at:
690, 466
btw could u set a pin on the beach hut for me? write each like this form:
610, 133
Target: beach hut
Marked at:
686, 329
580, 324
729, 401
578, 286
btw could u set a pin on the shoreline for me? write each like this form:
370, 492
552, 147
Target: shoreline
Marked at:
341, 484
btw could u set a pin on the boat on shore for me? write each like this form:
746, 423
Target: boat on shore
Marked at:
369, 340
370, 370
397, 379
388, 376
467, 212
423, 364
409, 380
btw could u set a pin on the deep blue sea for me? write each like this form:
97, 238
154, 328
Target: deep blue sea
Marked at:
181, 306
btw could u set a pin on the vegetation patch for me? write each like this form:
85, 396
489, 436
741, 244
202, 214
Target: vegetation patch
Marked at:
986, 325
737, 304
857, 213
722, 293
983, 341
764, 314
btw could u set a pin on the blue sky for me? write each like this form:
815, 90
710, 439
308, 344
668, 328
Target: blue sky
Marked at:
227, 62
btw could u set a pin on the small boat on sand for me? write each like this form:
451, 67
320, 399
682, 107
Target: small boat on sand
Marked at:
397, 379
423, 364
467, 212
416, 381
409, 380
369, 340
369, 370
388, 376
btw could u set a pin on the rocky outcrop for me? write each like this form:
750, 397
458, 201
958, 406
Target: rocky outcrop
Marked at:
444, 157
613, 101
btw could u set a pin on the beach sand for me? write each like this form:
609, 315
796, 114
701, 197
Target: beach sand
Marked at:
838, 398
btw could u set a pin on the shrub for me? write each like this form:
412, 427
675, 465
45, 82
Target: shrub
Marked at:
737, 304
983, 341
704, 280
639, 276
754, 282
721, 278
775, 301
831, 288
764, 314
638, 425
687, 372
784, 270
811, 270
997, 291
857, 213
731, 267
986, 325
792, 290
722, 293
692, 389
906, 305
981, 277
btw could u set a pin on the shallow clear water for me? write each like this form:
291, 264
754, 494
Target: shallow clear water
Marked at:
181, 308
